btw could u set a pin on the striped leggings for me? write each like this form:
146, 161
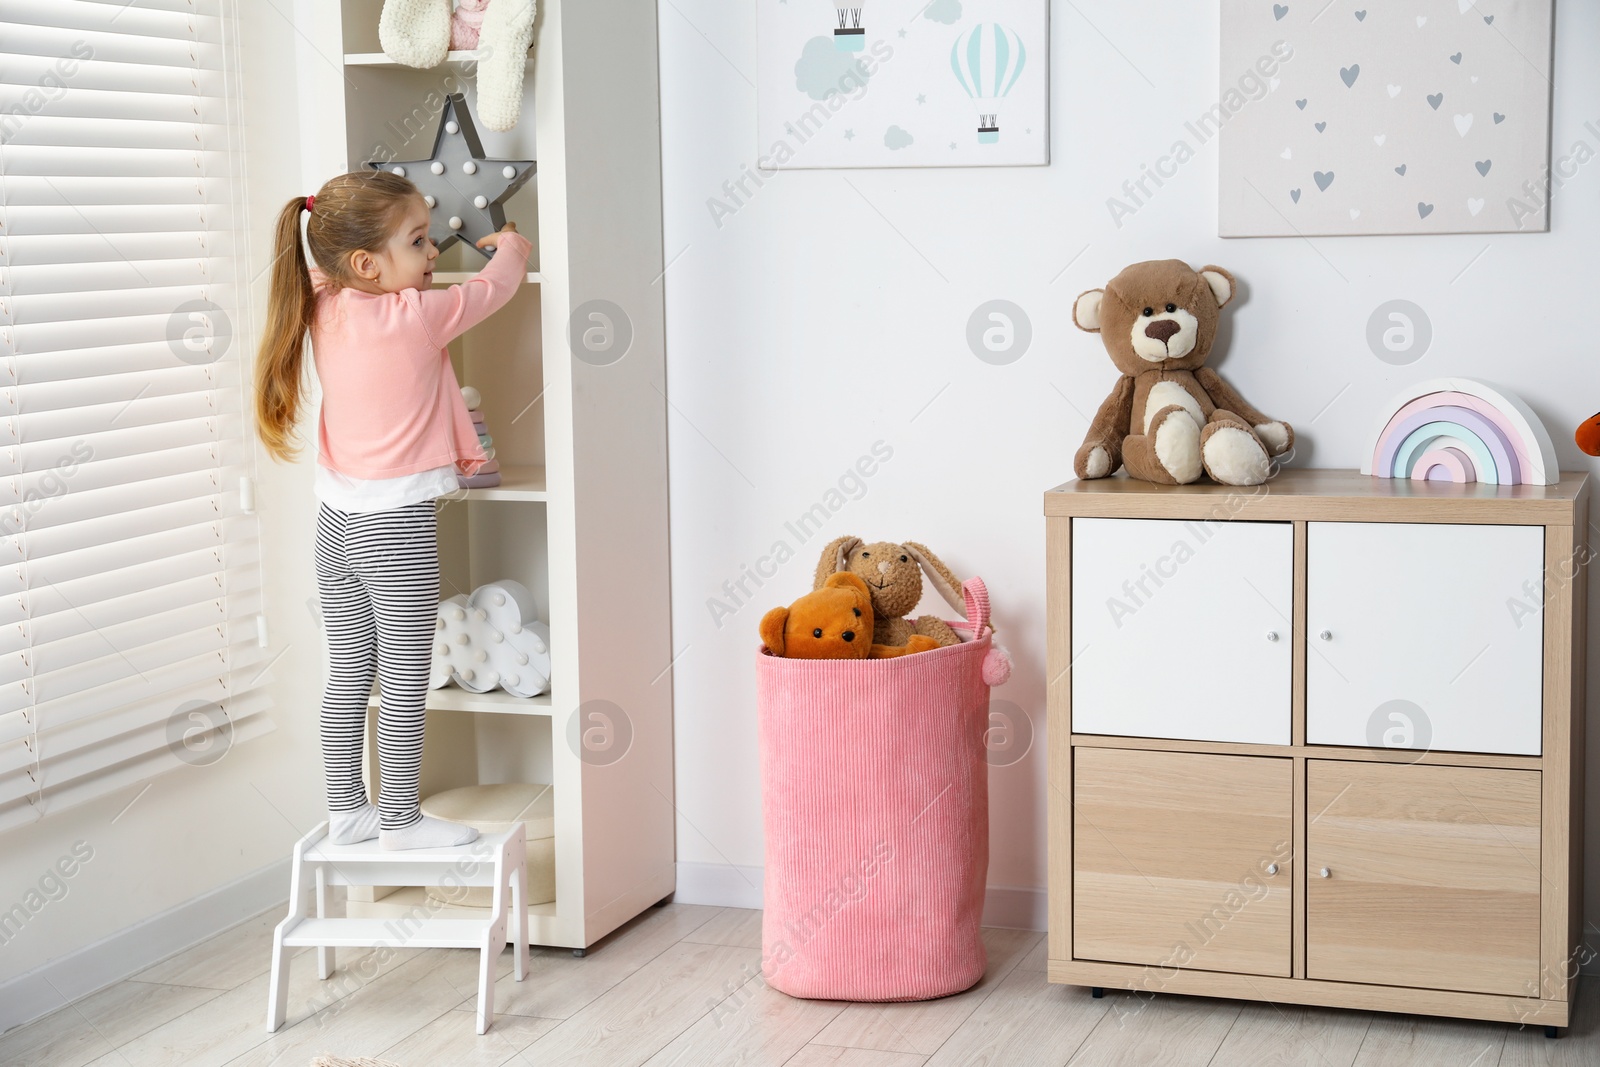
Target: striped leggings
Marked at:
378, 577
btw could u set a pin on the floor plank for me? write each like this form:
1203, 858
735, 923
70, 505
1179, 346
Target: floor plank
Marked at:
1025, 1022
649, 1008
1287, 1035
754, 1024
99, 1023
453, 1039
1579, 1046
1157, 1031
1402, 1040
225, 961
738, 927
919, 1027
834, 1056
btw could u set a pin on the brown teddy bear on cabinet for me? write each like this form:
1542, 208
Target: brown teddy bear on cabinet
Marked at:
1170, 418
894, 573
833, 622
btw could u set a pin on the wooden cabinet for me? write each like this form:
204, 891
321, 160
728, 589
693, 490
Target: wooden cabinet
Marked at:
1183, 859
1380, 808
1229, 585
1423, 876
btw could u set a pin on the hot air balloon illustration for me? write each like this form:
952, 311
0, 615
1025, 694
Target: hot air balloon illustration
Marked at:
987, 60
849, 35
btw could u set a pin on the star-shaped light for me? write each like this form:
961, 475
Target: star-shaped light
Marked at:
466, 193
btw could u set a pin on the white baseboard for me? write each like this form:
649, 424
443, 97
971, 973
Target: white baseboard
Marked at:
91, 968
724, 885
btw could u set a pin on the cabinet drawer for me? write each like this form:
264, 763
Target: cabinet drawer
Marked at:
1433, 876
1182, 629
1424, 636
1182, 860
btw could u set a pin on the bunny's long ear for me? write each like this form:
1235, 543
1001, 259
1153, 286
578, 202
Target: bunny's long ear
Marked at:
948, 586
772, 624
833, 558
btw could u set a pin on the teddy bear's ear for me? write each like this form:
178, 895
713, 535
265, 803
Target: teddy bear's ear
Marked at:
1086, 310
943, 580
833, 558
852, 582
772, 624
1221, 283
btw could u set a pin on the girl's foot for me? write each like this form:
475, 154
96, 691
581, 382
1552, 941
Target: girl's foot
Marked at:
428, 833
349, 827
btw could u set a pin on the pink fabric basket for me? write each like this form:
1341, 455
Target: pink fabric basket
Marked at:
876, 809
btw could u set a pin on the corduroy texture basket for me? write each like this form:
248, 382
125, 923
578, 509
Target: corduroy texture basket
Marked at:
876, 810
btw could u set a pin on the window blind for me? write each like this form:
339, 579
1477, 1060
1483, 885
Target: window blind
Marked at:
129, 565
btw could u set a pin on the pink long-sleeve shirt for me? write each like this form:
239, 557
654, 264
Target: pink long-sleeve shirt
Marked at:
391, 404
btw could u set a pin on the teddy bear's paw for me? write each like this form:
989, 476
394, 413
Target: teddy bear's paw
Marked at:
1177, 439
1275, 435
1233, 456
1098, 465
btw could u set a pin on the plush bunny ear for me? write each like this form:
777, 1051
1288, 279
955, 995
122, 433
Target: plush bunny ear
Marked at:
1221, 283
1086, 310
939, 576
772, 625
833, 558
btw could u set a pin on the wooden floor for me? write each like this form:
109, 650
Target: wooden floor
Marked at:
681, 985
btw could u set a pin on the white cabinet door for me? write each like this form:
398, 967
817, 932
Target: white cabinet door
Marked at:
1182, 629
1424, 636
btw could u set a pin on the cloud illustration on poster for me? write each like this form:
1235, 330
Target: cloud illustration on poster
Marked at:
894, 137
823, 70
945, 11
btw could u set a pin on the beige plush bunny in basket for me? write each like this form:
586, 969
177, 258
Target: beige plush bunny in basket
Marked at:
894, 572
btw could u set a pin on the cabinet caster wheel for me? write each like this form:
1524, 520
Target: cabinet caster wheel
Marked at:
579, 953
1551, 1033
1099, 991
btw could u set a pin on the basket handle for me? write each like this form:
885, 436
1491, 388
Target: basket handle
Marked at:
976, 595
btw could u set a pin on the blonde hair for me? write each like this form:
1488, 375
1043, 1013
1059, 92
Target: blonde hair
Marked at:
352, 212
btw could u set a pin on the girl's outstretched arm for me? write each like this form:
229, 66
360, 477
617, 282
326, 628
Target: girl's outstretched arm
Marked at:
448, 313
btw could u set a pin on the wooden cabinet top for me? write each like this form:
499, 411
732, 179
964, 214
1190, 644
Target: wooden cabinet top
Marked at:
1327, 496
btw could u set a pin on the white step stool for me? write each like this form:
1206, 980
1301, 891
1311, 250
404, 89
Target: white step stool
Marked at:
497, 860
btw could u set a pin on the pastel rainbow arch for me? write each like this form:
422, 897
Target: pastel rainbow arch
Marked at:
1462, 430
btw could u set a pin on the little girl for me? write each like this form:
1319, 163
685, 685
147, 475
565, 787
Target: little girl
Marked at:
393, 434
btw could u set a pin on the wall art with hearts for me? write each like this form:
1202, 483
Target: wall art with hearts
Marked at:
1401, 117
900, 83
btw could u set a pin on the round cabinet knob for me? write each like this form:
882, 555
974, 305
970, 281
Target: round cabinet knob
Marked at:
1272, 868
1272, 635
1325, 873
1326, 635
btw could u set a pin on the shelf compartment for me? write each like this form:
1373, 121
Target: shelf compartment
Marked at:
516, 483
494, 702
455, 58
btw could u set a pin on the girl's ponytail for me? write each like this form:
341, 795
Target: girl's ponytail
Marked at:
291, 303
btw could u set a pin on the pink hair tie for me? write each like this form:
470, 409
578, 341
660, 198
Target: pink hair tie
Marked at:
312, 199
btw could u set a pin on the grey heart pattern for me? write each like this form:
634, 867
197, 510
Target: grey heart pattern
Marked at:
1279, 10
1456, 59
1488, 20
1361, 16
1294, 194
1435, 99
1349, 74
1498, 118
1401, 170
1324, 178
1300, 103
1483, 166
1424, 210
1321, 126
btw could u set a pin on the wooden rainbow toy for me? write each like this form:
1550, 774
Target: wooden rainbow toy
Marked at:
1461, 430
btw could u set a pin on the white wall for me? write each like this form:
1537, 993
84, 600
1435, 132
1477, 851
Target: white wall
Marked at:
831, 310
198, 829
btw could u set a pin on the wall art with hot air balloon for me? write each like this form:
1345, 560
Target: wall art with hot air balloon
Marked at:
903, 83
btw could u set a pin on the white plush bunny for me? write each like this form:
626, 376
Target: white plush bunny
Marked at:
417, 33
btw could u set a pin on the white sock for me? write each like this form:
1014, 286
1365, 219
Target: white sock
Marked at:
349, 827
428, 833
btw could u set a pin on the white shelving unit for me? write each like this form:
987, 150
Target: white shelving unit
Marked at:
580, 516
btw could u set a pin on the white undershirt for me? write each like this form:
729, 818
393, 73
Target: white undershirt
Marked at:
344, 493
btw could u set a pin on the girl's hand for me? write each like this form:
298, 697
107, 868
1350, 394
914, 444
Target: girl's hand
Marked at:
493, 240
